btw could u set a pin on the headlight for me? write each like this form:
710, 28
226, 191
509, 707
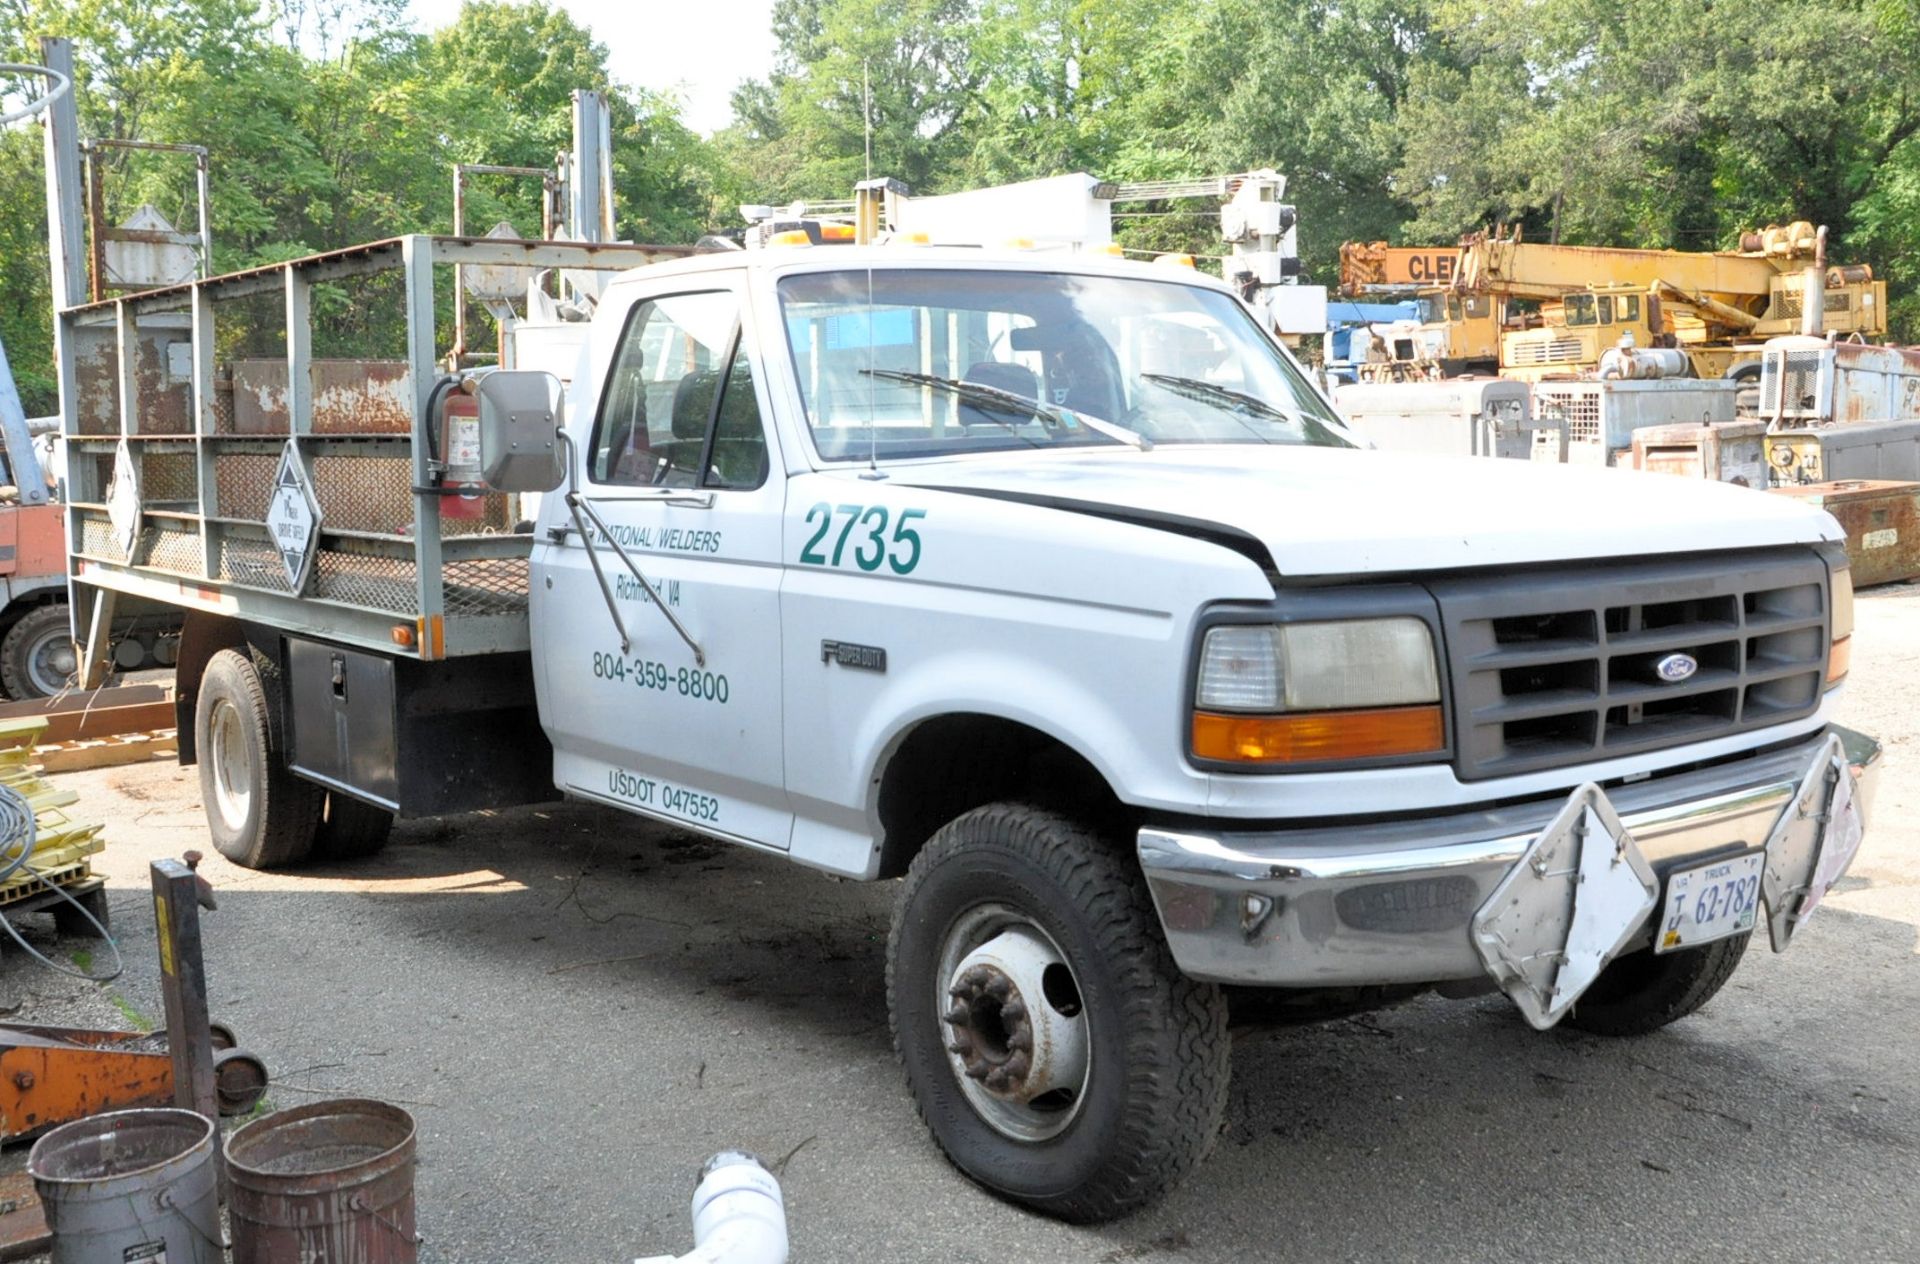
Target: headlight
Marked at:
1305, 692
1840, 651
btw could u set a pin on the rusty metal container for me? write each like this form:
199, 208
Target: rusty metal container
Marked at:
349, 397
1734, 452
1882, 521
330, 1183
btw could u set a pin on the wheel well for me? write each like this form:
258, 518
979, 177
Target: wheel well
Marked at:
955, 763
201, 637
26, 604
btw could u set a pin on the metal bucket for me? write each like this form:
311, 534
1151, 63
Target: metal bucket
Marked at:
130, 1185
330, 1183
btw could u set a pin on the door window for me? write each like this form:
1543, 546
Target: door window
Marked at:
679, 408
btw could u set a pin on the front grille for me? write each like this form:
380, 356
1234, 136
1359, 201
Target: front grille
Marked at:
1557, 668
1546, 351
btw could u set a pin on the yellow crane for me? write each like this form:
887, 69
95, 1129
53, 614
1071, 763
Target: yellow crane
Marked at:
1714, 306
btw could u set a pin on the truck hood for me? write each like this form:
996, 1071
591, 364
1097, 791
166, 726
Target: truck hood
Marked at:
1338, 511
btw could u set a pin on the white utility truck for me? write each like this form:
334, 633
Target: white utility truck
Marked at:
1047, 584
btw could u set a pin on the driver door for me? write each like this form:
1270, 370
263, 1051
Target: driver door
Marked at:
679, 467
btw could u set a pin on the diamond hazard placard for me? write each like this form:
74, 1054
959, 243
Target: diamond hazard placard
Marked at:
293, 517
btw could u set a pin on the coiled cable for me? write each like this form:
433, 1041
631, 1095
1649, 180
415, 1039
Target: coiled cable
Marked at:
20, 830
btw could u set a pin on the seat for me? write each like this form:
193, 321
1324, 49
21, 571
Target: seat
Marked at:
1015, 379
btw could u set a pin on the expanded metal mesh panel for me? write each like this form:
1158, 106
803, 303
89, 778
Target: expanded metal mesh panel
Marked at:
371, 493
243, 483
223, 406
383, 583
97, 539
171, 549
254, 563
363, 493
485, 586
169, 478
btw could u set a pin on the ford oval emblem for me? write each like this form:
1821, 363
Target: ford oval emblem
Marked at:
1675, 668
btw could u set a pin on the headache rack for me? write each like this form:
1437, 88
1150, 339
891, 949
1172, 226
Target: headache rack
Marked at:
179, 404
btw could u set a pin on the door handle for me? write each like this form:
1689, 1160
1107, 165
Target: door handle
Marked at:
679, 496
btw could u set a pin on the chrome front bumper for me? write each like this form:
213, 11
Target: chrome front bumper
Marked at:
1393, 902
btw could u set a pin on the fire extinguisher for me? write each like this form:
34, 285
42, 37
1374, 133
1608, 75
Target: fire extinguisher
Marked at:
460, 457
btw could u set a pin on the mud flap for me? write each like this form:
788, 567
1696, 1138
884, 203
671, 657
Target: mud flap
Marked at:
1812, 843
1580, 891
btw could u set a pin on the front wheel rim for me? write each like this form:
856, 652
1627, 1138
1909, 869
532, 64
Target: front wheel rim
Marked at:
232, 771
52, 662
1013, 1023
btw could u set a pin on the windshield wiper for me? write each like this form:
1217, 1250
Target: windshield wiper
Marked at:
1214, 393
981, 393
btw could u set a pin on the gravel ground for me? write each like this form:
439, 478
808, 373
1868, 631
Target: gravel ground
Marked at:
578, 1008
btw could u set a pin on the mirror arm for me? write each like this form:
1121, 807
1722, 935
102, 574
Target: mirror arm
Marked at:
583, 511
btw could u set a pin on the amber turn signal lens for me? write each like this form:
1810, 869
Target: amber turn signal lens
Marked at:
1839, 660
1315, 736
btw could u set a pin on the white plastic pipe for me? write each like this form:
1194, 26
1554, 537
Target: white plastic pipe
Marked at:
738, 1215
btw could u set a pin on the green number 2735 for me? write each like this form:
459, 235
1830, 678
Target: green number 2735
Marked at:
865, 527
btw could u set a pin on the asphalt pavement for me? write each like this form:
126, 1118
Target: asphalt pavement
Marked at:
578, 1008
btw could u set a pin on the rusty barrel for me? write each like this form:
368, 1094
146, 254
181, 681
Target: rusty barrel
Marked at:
130, 1185
330, 1183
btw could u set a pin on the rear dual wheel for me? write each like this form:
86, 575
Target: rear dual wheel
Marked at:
1053, 1048
260, 814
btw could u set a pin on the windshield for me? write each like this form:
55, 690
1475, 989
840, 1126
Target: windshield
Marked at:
907, 363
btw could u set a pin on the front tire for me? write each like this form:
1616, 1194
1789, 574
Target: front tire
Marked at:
1643, 992
1053, 1048
261, 816
37, 656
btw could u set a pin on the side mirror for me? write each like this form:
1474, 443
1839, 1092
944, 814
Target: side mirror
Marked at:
520, 418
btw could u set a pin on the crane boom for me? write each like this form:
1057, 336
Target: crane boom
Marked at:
1535, 270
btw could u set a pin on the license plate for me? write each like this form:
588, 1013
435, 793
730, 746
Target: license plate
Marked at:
1710, 902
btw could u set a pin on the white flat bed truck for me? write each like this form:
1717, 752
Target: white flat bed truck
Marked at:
1046, 584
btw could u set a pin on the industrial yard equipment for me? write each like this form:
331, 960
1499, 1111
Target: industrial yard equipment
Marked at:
1714, 307
1804, 455
1731, 452
1454, 417
1882, 521
1601, 417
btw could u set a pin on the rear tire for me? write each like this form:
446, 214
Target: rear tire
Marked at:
350, 829
37, 656
1095, 1105
1643, 992
261, 816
